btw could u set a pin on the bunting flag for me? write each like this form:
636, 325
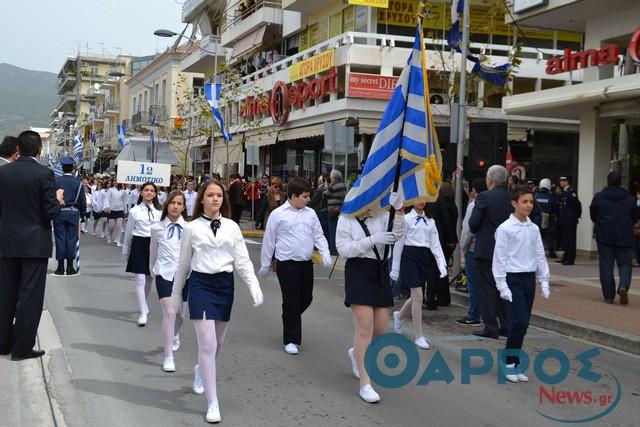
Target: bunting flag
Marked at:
212, 94
406, 134
496, 75
121, 133
77, 147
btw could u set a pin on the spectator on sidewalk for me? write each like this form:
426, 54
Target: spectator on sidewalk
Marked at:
9, 150
236, 192
570, 212
613, 212
549, 215
319, 203
334, 194
275, 198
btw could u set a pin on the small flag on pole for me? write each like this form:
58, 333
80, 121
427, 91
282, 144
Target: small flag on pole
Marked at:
78, 255
212, 94
57, 169
77, 147
121, 133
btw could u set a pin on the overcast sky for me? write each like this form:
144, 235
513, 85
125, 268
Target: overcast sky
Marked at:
40, 34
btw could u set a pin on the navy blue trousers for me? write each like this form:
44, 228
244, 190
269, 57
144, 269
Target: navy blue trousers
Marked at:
65, 229
523, 290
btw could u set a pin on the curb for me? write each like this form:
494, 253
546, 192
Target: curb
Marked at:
574, 328
253, 233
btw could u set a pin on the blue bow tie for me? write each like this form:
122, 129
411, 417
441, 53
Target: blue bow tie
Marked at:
215, 223
172, 229
418, 218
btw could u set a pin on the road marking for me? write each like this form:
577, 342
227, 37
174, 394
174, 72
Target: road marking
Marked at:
252, 242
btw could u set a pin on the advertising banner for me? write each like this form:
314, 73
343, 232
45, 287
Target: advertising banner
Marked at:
310, 66
138, 173
371, 86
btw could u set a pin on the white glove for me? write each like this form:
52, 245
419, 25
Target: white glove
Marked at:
264, 270
395, 200
382, 238
505, 292
256, 294
394, 275
444, 272
545, 290
326, 261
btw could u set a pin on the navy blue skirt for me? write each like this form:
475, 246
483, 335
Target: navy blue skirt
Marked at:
165, 287
139, 255
115, 214
211, 294
362, 284
416, 266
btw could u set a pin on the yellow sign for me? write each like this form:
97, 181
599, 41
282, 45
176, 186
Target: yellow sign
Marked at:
373, 3
314, 65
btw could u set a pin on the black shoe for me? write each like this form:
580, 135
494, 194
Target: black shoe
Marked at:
624, 296
465, 321
59, 272
444, 303
72, 272
560, 261
568, 263
485, 334
431, 307
503, 333
5, 350
31, 355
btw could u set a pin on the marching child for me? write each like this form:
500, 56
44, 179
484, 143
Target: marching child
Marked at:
518, 261
137, 240
413, 258
212, 248
164, 254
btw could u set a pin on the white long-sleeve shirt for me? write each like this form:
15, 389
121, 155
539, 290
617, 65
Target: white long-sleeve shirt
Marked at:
132, 197
115, 199
352, 242
164, 252
190, 198
467, 238
88, 201
203, 252
291, 234
421, 232
519, 249
141, 218
96, 199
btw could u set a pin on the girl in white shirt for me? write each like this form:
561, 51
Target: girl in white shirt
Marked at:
86, 215
163, 262
96, 202
115, 206
137, 240
412, 258
518, 260
212, 248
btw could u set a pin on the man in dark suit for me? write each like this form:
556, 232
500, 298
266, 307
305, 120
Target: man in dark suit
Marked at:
491, 209
28, 203
236, 199
8, 150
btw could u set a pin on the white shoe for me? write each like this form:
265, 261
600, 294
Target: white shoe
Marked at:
354, 364
176, 343
142, 320
118, 244
168, 365
422, 343
102, 236
369, 395
522, 378
513, 378
291, 349
198, 388
93, 234
397, 323
213, 413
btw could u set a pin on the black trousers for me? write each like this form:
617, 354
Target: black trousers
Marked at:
495, 312
568, 233
236, 213
296, 284
22, 283
437, 292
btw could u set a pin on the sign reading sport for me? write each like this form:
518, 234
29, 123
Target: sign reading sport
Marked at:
137, 173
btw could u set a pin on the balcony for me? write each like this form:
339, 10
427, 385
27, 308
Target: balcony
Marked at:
303, 6
196, 60
66, 82
66, 103
192, 8
242, 23
143, 118
109, 109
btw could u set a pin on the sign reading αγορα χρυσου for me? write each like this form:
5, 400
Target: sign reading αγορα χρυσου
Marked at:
138, 173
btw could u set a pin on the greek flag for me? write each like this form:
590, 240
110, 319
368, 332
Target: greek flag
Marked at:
212, 99
50, 159
406, 134
92, 138
121, 132
57, 169
496, 75
77, 146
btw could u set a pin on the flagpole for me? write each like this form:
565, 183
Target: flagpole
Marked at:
462, 127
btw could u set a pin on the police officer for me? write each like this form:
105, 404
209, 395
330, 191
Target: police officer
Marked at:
65, 225
570, 210
548, 204
536, 212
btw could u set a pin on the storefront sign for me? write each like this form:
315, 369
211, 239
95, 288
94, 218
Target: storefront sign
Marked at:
373, 3
140, 172
634, 46
371, 86
571, 61
283, 96
311, 66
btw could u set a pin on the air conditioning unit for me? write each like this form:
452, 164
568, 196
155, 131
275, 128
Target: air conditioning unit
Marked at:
438, 98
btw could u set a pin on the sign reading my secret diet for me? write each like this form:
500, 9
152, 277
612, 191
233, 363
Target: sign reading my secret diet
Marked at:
138, 173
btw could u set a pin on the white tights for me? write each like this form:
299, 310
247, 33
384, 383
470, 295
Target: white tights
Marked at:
143, 288
115, 230
97, 222
171, 323
369, 323
210, 334
414, 305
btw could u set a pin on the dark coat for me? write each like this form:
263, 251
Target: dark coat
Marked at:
491, 209
236, 192
613, 210
27, 205
445, 214
570, 209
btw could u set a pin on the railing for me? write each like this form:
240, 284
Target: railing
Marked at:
145, 117
206, 43
235, 15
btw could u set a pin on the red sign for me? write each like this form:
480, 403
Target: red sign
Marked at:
371, 86
283, 97
571, 61
634, 46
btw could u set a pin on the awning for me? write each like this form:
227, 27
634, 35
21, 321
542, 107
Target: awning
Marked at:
301, 132
140, 151
262, 140
516, 134
220, 153
368, 126
248, 42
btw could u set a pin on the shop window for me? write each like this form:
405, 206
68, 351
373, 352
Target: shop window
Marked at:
304, 39
360, 23
318, 32
335, 25
550, 84
348, 18
523, 85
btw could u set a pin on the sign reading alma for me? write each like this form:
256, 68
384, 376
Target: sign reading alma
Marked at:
571, 61
311, 66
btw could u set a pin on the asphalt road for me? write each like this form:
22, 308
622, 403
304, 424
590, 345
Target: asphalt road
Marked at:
108, 372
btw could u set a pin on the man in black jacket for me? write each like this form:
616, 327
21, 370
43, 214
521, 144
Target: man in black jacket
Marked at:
613, 212
236, 193
28, 203
491, 209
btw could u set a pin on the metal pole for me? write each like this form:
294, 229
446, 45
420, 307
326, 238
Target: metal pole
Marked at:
253, 191
214, 76
462, 127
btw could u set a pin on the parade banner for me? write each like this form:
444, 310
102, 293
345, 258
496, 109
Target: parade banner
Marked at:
311, 66
138, 173
371, 86
373, 3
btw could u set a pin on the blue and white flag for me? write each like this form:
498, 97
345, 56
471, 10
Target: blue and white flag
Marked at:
77, 147
92, 138
406, 129
496, 75
212, 94
57, 170
121, 133
50, 159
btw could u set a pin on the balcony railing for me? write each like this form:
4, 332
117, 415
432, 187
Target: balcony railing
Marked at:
143, 118
236, 15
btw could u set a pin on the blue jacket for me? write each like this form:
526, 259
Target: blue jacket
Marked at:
491, 209
72, 186
547, 201
570, 207
613, 210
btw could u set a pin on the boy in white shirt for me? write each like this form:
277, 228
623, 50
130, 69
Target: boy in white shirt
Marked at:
519, 260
